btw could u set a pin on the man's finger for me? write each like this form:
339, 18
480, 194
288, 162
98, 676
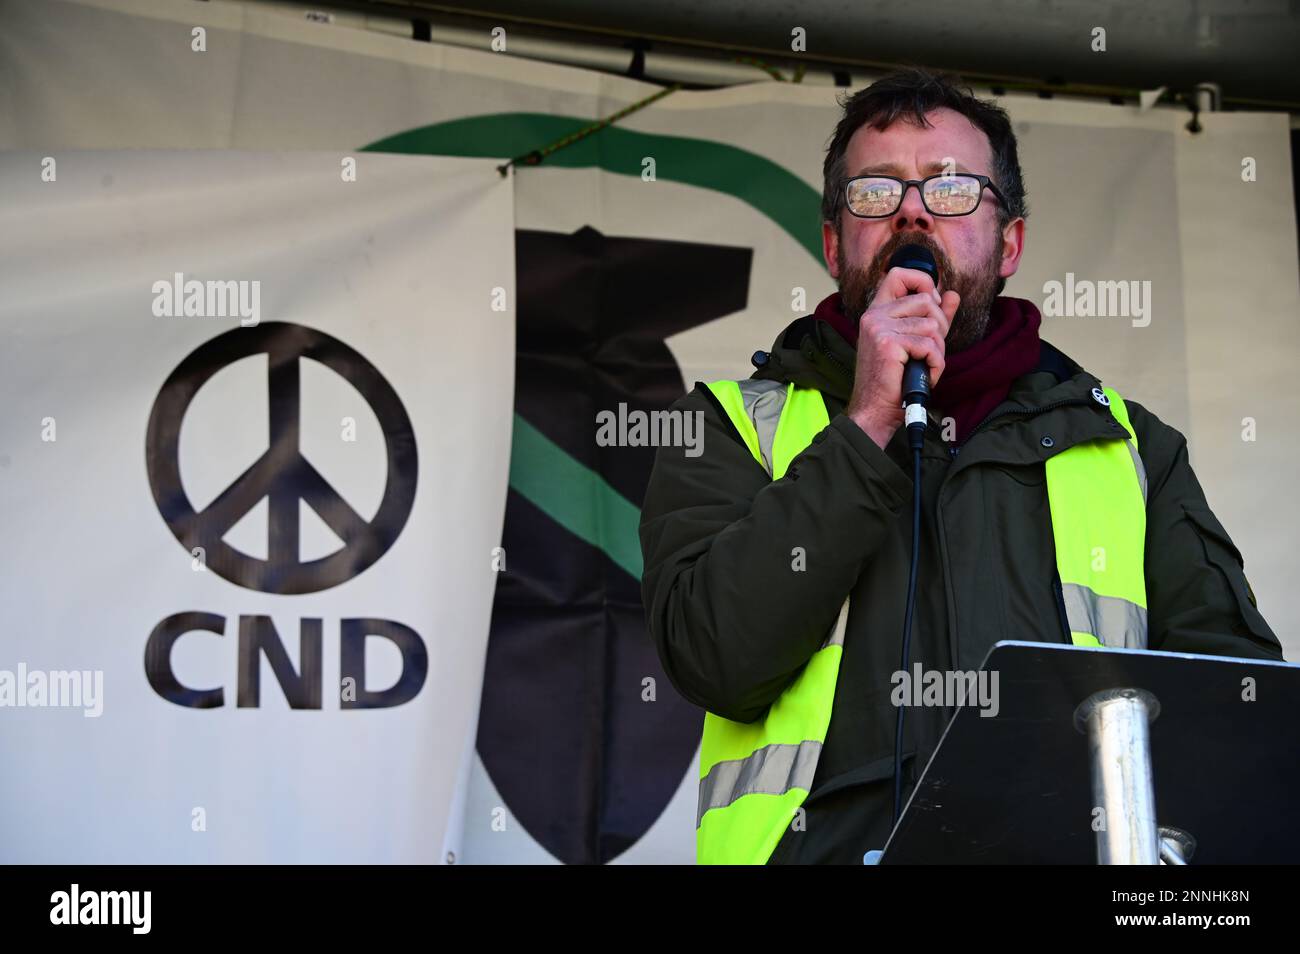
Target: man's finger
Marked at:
929, 325
899, 282
923, 349
949, 303
920, 304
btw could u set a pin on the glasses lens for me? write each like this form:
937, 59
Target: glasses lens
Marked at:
874, 196
952, 195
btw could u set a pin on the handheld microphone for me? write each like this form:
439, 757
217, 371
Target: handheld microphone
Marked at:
916, 374
916, 394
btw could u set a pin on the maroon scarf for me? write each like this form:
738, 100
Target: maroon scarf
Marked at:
976, 380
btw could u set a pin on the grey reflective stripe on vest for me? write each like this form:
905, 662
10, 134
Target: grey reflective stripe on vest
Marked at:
764, 402
1117, 623
772, 770
1138, 466
836, 638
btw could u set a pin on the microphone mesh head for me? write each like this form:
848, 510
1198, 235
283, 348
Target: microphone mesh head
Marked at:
918, 257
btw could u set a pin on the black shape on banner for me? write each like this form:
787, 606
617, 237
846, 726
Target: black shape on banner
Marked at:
282, 474
581, 761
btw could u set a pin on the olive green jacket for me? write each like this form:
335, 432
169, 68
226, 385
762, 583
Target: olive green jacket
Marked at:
744, 576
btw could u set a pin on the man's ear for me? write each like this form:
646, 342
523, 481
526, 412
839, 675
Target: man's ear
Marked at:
1013, 246
831, 248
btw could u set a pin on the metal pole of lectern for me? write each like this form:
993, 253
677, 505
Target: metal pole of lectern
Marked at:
1117, 724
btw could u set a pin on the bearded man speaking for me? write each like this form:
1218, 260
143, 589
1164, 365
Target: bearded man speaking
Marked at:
1052, 508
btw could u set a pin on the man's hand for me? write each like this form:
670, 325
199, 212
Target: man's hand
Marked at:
907, 319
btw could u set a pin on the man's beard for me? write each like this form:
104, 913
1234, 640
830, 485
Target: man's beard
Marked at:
977, 289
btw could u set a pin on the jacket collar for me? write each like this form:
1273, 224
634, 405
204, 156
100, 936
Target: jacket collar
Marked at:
813, 354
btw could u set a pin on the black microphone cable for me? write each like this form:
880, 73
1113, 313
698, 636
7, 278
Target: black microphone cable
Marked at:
916, 394
915, 434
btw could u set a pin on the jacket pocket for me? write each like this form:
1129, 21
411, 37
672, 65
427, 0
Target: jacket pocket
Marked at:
1221, 553
1027, 475
879, 770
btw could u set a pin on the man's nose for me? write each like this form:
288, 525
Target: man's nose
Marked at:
911, 213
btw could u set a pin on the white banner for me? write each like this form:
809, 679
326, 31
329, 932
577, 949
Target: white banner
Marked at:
254, 455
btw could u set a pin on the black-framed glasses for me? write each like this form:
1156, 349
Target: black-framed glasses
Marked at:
956, 193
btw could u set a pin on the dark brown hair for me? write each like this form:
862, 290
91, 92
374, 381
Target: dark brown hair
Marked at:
909, 94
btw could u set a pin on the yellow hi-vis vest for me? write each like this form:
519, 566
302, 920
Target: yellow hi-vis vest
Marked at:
754, 776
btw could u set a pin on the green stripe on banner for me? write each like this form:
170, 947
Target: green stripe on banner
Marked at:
575, 496
756, 180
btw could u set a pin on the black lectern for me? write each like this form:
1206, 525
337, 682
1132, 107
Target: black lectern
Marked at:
1113, 756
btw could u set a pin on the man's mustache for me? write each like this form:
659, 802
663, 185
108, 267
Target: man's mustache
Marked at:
880, 264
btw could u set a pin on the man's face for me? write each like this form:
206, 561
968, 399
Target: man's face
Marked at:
971, 252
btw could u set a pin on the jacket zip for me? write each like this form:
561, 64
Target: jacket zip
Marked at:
1060, 606
842, 366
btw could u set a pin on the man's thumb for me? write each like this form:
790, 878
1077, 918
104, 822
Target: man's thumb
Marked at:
949, 303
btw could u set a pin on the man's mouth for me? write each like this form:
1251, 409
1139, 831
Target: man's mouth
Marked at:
881, 264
